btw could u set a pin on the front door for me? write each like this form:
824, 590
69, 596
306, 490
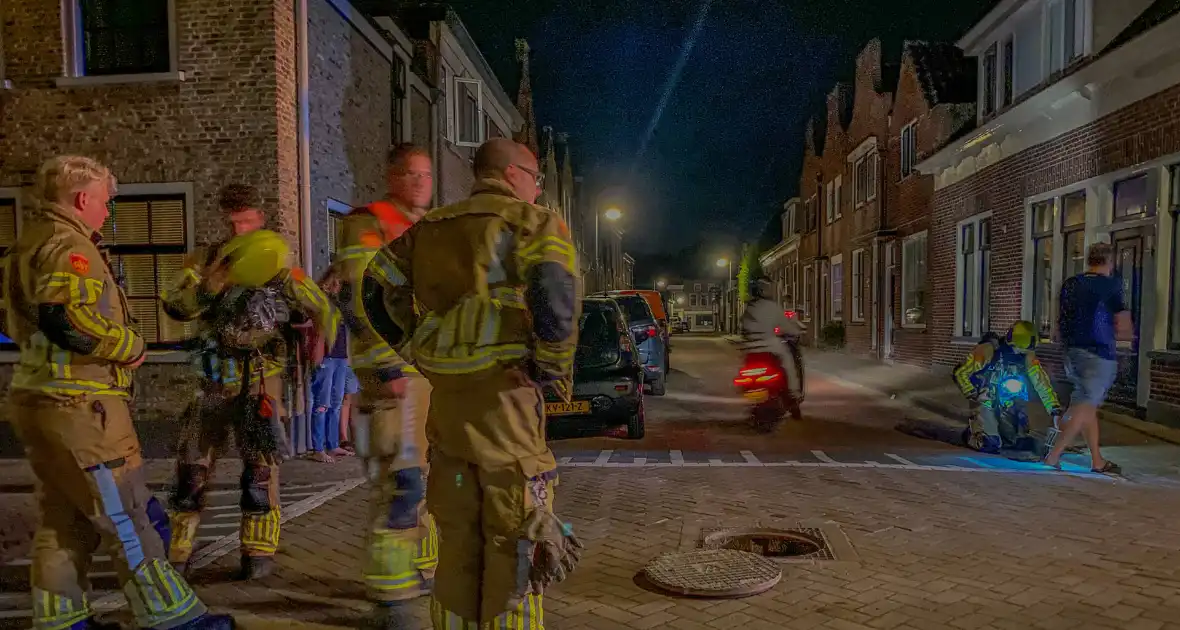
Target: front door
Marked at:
1128, 266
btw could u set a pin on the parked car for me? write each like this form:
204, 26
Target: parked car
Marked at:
608, 377
651, 339
656, 301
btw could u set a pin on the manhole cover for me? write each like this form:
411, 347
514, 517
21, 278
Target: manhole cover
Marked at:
764, 542
713, 573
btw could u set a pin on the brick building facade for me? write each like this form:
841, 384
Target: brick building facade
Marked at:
208, 93
1078, 143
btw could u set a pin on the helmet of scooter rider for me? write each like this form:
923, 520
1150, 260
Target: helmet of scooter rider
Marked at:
762, 287
255, 258
1022, 335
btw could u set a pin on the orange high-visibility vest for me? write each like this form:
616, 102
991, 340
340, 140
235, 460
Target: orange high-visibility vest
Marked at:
393, 221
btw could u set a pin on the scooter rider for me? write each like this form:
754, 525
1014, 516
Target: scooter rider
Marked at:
993, 378
764, 324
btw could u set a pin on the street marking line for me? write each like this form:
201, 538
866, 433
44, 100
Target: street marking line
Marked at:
640, 461
564, 461
716, 462
750, 459
703, 398
900, 459
797, 464
226, 544
604, 457
677, 458
823, 457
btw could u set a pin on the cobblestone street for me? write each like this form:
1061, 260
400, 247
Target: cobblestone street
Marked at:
933, 550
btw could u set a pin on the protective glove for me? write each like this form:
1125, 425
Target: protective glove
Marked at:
556, 551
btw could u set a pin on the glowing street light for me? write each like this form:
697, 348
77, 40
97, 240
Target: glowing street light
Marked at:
661, 284
611, 214
722, 262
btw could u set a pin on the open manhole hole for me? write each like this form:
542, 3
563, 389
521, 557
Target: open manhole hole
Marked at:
794, 544
713, 573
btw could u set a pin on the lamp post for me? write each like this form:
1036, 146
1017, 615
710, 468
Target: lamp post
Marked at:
612, 215
728, 264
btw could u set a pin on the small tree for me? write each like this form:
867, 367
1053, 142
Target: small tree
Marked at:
749, 269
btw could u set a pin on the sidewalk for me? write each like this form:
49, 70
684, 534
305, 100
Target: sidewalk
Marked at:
916, 550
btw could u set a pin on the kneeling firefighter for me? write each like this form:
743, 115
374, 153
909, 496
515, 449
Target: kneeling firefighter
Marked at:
247, 300
994, 378
484, 293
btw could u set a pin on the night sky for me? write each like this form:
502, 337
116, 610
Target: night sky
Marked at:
728, 148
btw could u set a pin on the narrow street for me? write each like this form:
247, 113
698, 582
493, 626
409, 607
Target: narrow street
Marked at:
918, 535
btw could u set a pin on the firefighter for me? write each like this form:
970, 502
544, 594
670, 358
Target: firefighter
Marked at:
393, 393
993, 378
69, 406
483, 292
246, 297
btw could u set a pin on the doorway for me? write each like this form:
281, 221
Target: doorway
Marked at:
1129, 249
887, 284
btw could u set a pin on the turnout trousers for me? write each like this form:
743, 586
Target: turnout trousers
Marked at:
492, 475
390, 436
92, 494
209, 422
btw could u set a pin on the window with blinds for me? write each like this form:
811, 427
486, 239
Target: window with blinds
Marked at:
146, 237
7, 239
335, 233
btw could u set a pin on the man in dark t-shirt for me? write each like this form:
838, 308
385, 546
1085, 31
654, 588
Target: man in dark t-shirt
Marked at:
1093, 315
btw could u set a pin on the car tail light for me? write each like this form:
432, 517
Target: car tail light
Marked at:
622, 388
643, 333
777, 330
789, 314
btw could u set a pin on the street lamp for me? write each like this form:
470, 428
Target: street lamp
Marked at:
661, 284
612, 215
727, 264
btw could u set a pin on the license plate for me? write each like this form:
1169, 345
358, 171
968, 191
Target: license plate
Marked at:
565, 409
758, 396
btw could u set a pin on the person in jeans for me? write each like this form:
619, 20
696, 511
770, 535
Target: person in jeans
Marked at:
351, 387
1092, 318
328, 386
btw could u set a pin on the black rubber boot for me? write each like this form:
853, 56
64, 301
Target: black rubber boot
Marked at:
255, 567
391, 616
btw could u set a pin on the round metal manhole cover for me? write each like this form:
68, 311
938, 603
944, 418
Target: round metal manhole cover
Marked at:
764, 542
713, 573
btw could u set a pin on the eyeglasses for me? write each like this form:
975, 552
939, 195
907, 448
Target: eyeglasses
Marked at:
417, 176
537, 176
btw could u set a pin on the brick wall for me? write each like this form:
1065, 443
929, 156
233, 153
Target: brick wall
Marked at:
455, 173
1143, 131
349, 105
218, 126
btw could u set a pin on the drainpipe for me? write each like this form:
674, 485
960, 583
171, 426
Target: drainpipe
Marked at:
304, 134
300, 437
820, 222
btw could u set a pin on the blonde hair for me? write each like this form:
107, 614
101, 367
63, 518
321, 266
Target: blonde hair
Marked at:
65, 175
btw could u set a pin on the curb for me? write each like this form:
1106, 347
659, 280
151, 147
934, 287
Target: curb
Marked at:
1157, 431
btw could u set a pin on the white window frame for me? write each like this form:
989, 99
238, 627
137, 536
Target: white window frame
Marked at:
332, 208
834, 292
961, 275
857, 286
909, 147
924, 235
866, 182
838, 185
1053, 59
1096, 196
73, 64
460, 101
808, 272
830, 201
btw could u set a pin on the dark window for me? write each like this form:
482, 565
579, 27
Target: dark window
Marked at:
146, 236
124, 36
636, 310
989, 81
1174, 206
7, 239
1009, 68
397, 112
600, 337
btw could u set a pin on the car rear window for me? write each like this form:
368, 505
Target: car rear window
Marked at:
636, 309
598, 337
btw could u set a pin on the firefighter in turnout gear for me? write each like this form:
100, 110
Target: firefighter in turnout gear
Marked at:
246, 298
394, 397
69, 406
995, 379
483, 294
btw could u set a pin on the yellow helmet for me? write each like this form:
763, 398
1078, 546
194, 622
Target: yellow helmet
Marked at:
1022, 335
255, 258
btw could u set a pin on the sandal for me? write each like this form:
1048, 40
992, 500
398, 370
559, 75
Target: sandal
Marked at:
1056, 466
1109, 468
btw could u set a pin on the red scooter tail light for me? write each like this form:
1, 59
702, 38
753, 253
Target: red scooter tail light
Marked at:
757, 373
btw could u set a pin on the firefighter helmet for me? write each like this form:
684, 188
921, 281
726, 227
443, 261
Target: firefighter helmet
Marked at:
255, 258
1022, 335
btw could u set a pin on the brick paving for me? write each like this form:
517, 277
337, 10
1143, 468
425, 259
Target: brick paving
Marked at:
934, 550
